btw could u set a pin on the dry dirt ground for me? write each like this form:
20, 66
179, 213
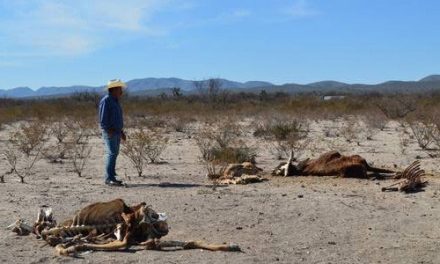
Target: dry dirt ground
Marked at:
283, 220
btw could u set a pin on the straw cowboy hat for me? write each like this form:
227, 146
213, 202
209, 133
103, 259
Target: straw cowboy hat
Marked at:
115, 83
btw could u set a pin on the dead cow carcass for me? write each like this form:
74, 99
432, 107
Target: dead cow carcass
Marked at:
108, 226
328, 164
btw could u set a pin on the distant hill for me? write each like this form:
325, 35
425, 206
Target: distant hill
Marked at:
155, 86
328, 84
431, 78
137, 86
18, 92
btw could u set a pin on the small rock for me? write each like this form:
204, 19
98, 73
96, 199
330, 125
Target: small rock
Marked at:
300, 196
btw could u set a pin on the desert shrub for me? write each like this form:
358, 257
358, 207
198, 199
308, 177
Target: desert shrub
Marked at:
285, 135
135, 150
56, 152
220, 145
396, 107
351, 130
282, 148
375, 120
80, 129
79, 155
29, 136
423, 132
2, 176
180, 124
59, 130
143, 146
279, 129
24, 148
436, 135
232, 155
156, 145
211, 92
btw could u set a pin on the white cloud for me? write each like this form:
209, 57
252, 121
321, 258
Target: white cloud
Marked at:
75, 27
299, 9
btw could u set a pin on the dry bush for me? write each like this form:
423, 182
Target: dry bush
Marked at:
143, 146
376, 120
20, 163
281, 129
286, 134
351, 130
72, 134
80, 129
211, 92
29, 137
134, 150
180, 124
425, 127
2, 176
79, 154
282, 148
55, 153
24, 148
156, 145
423, 132
218, 147
397, 107
434, 127
59, 130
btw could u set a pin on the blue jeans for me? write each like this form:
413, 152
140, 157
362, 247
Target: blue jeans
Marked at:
112, 151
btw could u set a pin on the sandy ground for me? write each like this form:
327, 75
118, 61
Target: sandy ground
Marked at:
283, 220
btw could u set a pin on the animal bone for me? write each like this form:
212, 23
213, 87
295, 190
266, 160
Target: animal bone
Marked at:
413, 178
243, 179
20, 227
239, 173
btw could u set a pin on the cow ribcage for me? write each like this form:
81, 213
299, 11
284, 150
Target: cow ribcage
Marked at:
99, 222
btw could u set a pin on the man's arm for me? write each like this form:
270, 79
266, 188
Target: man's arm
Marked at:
105, 116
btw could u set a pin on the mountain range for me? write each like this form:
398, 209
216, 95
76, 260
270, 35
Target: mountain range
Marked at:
155, 86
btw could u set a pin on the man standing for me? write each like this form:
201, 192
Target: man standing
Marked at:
112, 124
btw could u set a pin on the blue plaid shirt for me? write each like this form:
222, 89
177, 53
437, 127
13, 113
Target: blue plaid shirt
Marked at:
110, 114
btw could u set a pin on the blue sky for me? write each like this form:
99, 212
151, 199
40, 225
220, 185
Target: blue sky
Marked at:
60, 43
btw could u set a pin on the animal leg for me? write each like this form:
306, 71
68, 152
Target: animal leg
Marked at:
162, 245
72, 250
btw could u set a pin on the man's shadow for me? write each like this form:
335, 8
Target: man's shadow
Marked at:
173, 185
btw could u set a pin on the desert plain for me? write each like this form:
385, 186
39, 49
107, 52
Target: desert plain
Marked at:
282, 220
